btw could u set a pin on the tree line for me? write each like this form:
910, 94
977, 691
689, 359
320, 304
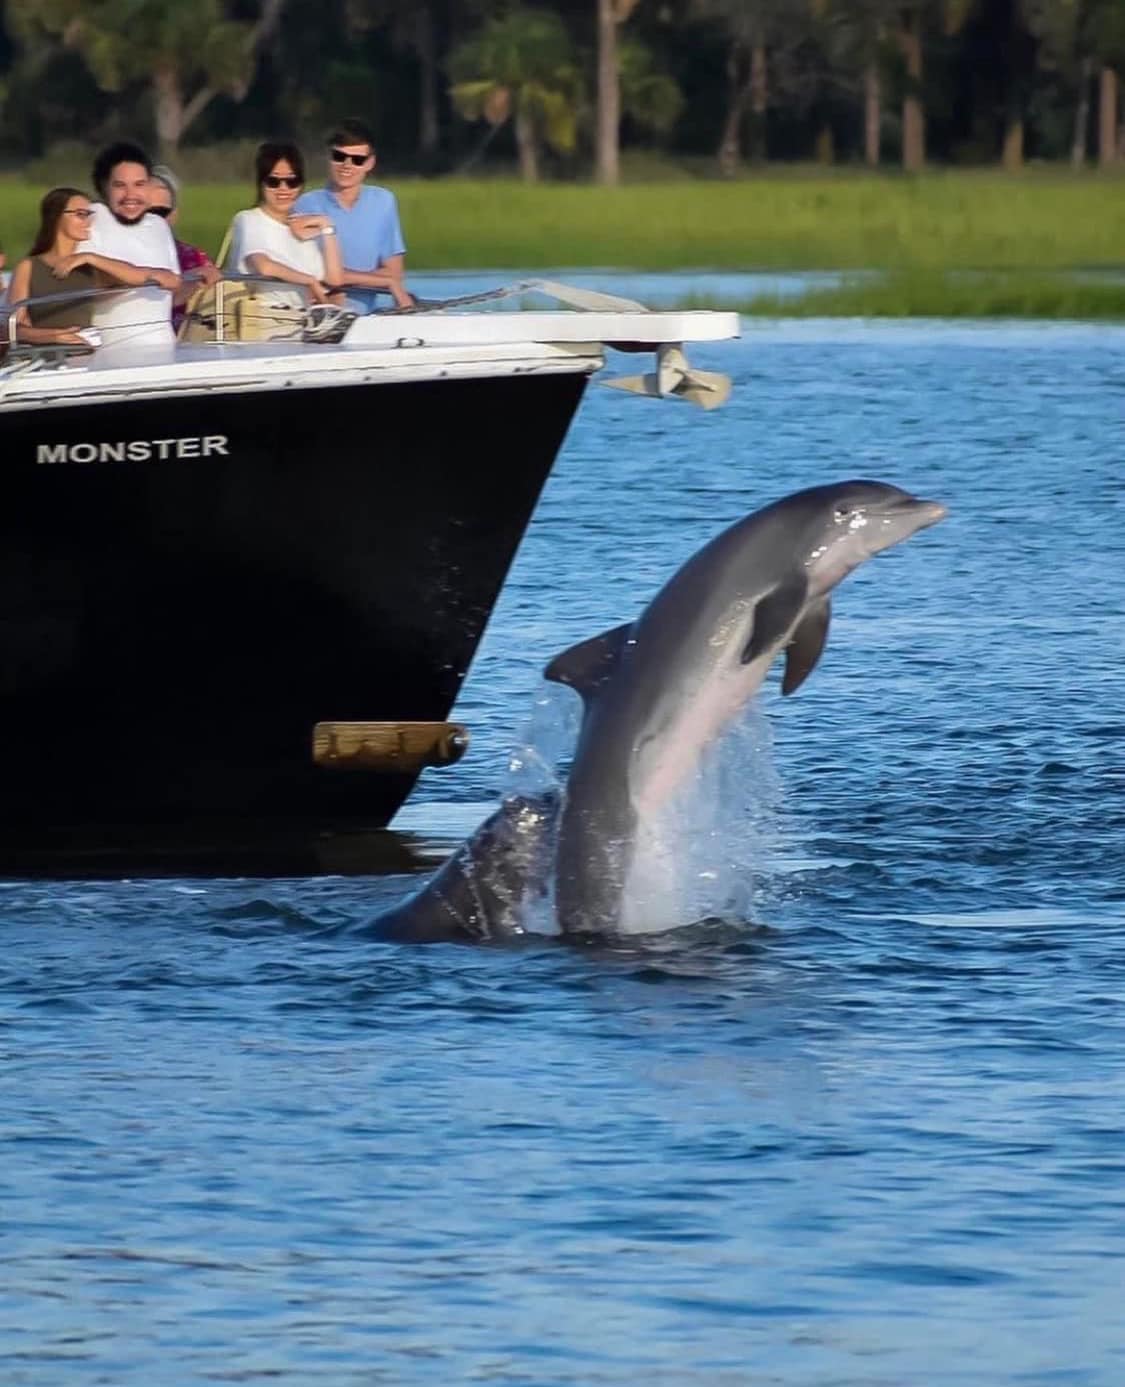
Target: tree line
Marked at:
459, 85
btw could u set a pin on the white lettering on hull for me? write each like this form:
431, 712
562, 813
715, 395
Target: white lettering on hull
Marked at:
135, 450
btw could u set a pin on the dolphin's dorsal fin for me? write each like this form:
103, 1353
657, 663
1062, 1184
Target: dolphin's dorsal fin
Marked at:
803, 651
587, 666
774, 615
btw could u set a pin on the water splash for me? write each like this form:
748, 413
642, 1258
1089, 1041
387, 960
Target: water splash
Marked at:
545, 743
536, 774
705, 856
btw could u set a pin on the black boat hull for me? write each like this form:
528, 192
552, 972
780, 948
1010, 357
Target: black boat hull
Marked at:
176, 615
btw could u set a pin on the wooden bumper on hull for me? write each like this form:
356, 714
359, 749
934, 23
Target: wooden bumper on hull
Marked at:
394, 747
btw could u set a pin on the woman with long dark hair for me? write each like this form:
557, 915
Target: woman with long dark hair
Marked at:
64, 223
57, 264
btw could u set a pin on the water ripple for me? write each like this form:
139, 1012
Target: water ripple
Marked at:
865, 1132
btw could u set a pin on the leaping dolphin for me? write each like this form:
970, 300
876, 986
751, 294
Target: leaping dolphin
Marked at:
656, 693
659, 691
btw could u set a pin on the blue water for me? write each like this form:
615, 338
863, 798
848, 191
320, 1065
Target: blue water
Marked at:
656, 290
879, 1138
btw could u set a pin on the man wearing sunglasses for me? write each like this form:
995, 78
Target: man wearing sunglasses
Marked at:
365, 217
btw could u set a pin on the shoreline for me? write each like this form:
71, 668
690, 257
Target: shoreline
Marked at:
1047, 243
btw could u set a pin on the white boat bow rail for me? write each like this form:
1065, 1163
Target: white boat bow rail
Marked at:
605, 318
644, 328
448, 339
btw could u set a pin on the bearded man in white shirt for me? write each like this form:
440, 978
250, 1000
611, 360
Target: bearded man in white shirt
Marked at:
123, 229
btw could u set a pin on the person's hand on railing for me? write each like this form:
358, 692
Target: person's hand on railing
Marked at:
398, 291
121, 271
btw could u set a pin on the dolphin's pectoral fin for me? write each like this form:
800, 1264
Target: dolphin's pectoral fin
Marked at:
804, 650
774, 615
587, 666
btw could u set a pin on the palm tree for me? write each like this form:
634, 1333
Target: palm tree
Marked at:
857, 38
521, 67
185, 51
1084, 38
611, 15
914, 16
1104, 36
1020, 41
412, 28
1069, 39
750, 28
909, 36
649, 97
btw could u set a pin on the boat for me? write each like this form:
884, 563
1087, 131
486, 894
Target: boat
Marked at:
242, 581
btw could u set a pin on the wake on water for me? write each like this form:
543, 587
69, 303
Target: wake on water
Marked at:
704, 857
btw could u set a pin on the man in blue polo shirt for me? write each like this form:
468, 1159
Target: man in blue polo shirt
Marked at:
365, 219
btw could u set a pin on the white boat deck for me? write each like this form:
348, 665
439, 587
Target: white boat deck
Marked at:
383, 348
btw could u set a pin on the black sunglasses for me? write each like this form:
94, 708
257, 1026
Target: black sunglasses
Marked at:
340, 157
275, 180
161, 211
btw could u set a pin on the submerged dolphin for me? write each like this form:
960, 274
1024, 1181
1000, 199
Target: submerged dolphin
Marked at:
483, 890
656, 693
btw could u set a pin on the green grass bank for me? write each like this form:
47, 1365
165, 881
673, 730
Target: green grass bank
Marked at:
921, 229
956, 294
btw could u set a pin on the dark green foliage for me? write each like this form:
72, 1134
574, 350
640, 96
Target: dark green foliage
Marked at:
80, 69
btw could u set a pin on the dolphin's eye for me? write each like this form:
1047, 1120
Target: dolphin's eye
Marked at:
843, 511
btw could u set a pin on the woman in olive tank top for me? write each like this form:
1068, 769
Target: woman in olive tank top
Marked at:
64, 224
57, 263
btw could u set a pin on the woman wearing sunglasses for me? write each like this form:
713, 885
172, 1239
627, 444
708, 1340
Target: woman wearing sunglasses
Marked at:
57, 264
262, 241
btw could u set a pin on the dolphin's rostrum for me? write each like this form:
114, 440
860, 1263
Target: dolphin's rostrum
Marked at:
656, 693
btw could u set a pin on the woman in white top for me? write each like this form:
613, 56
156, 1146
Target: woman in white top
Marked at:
265, 242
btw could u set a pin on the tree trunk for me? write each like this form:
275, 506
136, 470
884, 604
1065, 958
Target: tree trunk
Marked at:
1017, 81
825, 145
759, 101
1012, 155
268, 22
475, 154
607, 160
168, 106
174, 115
428, 132
738, 93
1107, 117
527, 143
872, 113
913, 114
1082, 115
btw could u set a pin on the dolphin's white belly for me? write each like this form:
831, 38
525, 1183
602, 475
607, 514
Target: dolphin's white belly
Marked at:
667, 757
